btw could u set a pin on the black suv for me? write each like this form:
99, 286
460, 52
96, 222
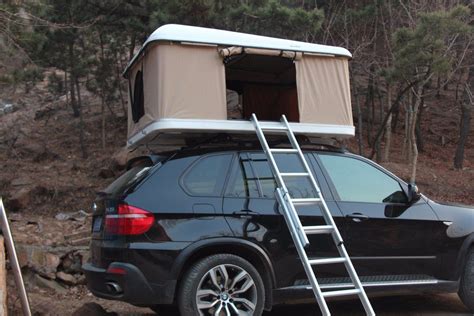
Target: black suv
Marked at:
201, 229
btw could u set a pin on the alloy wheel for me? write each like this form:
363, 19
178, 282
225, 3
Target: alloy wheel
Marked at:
226, 290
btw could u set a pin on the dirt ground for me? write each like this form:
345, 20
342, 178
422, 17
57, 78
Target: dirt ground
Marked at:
418, 305
44, 175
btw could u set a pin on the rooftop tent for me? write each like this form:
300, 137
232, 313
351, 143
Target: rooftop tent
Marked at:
190, 79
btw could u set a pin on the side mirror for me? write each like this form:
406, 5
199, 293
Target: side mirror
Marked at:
413, 194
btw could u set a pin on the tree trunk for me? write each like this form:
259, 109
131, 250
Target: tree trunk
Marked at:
102, 96
406, 148
81, 122
72, 80
369, 107
466, 114
388, 127
65, 88
102, 113
395, 104
414, 147
360, 138
419, 136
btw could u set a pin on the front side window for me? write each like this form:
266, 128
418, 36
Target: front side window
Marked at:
242, 182
358, 181
299, 187
206, 177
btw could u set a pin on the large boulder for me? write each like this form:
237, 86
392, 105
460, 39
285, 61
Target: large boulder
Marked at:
38, 259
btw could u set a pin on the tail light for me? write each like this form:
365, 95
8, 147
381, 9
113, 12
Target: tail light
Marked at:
129, 220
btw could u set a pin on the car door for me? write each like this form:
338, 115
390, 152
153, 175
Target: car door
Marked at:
386, 235
253, 213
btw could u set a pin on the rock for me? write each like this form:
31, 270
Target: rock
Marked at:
75, 216
81, 279
66, 278
80, 242
20, 182
106, 173
72, 263
22, 198
76, 235
45, 113
19, 200
6, 108
92, 309
48, 284
51, 262
38, 259
85, 256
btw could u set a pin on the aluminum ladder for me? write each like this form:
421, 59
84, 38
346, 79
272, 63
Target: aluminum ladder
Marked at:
298, 231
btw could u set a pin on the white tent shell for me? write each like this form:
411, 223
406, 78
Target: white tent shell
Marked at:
184, 83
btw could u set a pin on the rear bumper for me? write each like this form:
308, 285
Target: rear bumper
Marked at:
130, 286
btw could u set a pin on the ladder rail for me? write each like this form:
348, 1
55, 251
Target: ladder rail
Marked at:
336, 234
292, 211
305, 261
297, 230
294, 143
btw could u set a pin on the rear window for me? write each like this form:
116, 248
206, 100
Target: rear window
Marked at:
128, 179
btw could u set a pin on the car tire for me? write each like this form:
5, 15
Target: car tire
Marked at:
165, 310
223, 281
466, 288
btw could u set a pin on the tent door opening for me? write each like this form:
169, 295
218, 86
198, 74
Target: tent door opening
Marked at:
260, 84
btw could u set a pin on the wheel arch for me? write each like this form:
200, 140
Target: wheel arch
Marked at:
239, 247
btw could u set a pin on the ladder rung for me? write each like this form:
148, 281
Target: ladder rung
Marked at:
321, 229
327, 261
274, 128
306, 201
294, 174
341, 293
284, 150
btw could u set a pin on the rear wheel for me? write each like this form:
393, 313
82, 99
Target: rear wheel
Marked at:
221, 285
466, 288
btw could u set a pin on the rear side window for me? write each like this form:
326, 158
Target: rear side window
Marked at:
358, 181
207, 176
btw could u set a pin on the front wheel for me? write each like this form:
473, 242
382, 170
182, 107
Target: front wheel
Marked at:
221, 285
466, 288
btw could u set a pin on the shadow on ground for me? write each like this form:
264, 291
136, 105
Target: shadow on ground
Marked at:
397, 305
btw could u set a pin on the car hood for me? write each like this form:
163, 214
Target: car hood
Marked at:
460, 218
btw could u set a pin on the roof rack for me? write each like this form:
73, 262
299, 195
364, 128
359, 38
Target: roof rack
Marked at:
228, 140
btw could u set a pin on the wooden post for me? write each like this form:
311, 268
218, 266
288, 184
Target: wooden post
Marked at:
3, 280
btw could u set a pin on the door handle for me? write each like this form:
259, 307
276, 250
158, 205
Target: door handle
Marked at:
245, 213
358, 217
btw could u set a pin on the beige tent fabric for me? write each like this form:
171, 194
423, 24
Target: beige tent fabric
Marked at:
237, 50
181, 81
324, 95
